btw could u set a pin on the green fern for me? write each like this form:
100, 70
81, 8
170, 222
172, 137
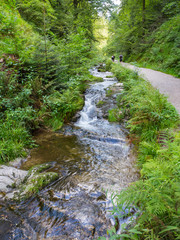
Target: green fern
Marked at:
156, 196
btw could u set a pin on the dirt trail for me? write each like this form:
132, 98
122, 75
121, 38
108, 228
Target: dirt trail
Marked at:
167, 84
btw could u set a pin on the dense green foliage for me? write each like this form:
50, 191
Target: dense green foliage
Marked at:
45, 53
147, 32
151, 121
46, 49
163, 50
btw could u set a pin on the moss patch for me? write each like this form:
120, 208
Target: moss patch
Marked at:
95, 79
111, 76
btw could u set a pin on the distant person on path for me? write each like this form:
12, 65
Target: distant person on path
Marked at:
113, 57
120, 58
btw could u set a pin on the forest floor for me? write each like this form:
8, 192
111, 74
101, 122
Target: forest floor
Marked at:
165, 83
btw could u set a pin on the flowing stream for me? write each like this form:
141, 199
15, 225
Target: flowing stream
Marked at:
93, 160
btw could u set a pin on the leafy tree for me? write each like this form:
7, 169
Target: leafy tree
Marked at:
132, 27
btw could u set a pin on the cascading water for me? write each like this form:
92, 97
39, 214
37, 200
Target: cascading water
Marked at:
96, 92
92, 157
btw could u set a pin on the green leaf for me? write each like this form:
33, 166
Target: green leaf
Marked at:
125, 235
169, 228
135, 231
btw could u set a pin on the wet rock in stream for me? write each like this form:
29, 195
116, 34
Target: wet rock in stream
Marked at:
10, 176
69, 215
65, 215
13, 227
109, 101
19, 185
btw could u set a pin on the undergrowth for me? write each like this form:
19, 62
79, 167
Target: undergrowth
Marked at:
162, 50
152, 122
42, 79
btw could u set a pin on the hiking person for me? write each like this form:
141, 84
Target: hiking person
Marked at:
113, 57
120, 58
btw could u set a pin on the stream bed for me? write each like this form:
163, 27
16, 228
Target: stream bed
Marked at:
93, 160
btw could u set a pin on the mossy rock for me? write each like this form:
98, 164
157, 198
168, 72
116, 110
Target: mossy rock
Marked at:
109, 93
101, 70
39, 168
35, 181
100, 103
98, 79
35, 184
110, 76
95, 79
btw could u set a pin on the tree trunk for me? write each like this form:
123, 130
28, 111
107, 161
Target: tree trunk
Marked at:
75, 4
143, 11
45, 40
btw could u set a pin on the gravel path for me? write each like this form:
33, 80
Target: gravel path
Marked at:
167, 84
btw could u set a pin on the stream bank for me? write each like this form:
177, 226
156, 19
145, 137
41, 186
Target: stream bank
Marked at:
153, 124
166, 83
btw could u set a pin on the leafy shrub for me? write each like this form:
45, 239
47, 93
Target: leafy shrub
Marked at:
109, 64
164, 53
114, 115
14, 140
63, 106
20, 38
148, 110
156, 195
